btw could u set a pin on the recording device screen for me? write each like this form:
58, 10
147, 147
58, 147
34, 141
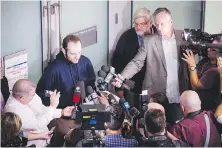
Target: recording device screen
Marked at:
91, 120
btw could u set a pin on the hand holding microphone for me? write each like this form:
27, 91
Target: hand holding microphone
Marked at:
118, 81
108, 73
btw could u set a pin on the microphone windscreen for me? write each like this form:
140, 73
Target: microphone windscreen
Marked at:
122, 101
102, 74
81, 84
105, 68
76, 98
89, 90
134, 112
112, 99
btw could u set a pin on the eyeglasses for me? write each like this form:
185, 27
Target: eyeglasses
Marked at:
140, 24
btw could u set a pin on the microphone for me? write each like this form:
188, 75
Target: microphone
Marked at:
81, 84
93, 97
128, 84
105, 68
76, 97
109, 75
79, 92
126, 106
133, 112
112, 99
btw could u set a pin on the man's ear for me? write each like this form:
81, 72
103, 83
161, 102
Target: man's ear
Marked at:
22, 99
182, 108
63, 51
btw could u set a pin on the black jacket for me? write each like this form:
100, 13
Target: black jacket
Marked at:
63, 75
126, 48
162, 141
5, 88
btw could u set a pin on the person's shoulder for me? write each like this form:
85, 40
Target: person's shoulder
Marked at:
183, 123
214, 69
179, 143
132, 140
12, 105
129, 32
84, 59
55, 65
151, 38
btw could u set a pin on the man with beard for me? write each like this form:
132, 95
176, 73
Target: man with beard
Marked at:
127, 47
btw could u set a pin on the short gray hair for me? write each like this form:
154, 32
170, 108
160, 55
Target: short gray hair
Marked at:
162, 10
142, 12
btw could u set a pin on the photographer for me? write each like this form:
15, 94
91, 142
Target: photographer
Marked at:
171, 116
155, 123
218, 113
204, 77
11, 134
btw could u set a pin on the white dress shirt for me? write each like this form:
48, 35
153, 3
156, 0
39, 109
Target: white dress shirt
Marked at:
171, 57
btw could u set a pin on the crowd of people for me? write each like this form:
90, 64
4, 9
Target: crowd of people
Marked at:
184, 105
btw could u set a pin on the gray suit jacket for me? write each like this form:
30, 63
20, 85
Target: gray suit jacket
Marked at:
156, 74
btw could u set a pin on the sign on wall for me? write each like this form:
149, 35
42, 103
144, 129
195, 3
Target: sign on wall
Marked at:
87, 36
16, 67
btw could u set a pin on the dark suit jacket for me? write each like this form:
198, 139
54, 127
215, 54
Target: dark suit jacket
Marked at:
5, 88
126, 49
156, 75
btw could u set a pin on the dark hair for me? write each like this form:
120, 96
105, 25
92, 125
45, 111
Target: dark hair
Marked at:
69, 38
160, 98
117, 117
155, 121
10, 126
160, 10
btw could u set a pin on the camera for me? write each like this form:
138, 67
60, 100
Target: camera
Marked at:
199, 41
90, 119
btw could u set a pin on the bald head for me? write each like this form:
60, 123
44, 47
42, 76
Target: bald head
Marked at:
156, 106
190, 101
22, 87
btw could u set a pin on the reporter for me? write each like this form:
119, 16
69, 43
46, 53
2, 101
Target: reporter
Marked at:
28, 106
204, 78
219, 66
113, 136
218, 114
173, 111
155, 123
11, 132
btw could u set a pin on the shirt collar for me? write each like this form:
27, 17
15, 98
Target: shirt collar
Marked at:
172, 37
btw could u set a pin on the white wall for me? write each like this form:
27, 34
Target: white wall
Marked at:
116, 27
78, 15
186, 14
213, 17
21, 29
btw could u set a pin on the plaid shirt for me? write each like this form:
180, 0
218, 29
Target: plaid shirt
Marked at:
117, 140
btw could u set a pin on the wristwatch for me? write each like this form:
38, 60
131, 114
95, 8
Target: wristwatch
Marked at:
192, 68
